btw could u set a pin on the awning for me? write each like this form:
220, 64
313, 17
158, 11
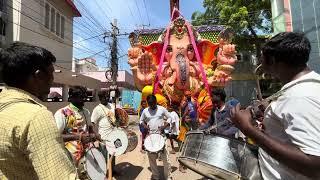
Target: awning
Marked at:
124, 79
74, 8
65, 77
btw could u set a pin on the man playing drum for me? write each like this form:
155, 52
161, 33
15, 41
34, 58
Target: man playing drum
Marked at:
290, 143
152, 119
221, 121
143, 131
103, 118
73, 122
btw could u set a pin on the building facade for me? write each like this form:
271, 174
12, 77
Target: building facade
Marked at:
45, 23
300, 16
48, 24
129, 95
85, 65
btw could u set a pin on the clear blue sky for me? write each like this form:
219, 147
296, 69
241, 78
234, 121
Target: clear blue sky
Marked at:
131, 14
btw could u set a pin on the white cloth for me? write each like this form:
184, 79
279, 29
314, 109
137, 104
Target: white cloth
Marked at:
293, 118
102, 116
166, 164
80, 115
174, 124
167, 130
154, 118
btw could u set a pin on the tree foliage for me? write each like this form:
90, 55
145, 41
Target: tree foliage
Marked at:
248, 18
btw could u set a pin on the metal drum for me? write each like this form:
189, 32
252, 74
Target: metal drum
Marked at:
120, 141
220, 157
95, 164
154, 143
133, 140
92, 165
122, 118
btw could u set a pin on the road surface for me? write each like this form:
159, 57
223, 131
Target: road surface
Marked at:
135, 165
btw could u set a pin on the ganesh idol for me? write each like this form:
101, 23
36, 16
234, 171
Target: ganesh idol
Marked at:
182, 58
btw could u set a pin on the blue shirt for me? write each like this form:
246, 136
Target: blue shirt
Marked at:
221, 118
192, 111
192, 115
223, 121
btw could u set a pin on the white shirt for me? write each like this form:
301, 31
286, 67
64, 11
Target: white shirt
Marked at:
102, 116
293, 118
154, 118
174, 119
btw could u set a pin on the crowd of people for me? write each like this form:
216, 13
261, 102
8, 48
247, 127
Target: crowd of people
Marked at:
35, 144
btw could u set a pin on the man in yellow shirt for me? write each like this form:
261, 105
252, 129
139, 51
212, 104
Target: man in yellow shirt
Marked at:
30, 144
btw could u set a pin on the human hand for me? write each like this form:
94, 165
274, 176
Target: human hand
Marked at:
242, 119
86, 138
161, 129
145, 126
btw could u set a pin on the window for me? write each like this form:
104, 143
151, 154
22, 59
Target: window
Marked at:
2, 4
239, 58
53, 20
2, 27
47, 16
58, 24
62, 27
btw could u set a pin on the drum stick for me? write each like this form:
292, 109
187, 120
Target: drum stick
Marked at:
109, 167
258, 83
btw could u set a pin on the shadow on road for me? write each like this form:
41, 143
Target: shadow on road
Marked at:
161, 168
128, 171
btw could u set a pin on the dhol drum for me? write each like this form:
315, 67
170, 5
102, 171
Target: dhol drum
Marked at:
121, 141
154, 142
122, 118
92, 165
220, 157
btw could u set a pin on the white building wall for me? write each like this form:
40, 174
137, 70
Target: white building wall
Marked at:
28, 27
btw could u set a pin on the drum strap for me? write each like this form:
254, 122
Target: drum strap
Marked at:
280, 92
113, 124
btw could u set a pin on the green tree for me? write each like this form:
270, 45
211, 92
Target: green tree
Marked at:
248, 18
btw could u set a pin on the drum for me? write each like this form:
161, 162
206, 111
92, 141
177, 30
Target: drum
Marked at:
92, 165
121, 141
122, 118
154, 143
220, 157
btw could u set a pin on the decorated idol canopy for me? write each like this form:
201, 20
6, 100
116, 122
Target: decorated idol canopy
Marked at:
181, 58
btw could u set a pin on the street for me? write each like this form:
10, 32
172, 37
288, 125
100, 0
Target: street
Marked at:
135, 165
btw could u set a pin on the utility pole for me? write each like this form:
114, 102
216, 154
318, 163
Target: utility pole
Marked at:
114, 52
112, 73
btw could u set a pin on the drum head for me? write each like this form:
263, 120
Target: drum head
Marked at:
117, 142
132, 140
95, 164
154, 142
122, 117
